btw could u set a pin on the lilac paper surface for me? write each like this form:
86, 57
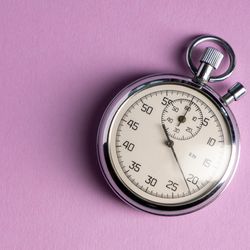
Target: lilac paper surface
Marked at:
60, 64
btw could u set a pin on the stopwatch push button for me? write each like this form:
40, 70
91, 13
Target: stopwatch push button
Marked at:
234, 93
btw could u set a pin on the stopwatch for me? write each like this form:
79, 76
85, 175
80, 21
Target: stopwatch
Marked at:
169, 144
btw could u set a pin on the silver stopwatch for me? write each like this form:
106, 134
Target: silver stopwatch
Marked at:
169, 144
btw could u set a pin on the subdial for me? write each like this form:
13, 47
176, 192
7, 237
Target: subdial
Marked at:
182, 118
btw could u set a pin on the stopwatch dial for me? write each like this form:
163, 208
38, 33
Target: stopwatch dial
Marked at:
182, 118
169, 144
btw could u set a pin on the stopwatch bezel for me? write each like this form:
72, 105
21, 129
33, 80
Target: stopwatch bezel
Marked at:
108, 170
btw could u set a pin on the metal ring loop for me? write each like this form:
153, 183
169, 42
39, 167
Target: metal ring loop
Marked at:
223, 44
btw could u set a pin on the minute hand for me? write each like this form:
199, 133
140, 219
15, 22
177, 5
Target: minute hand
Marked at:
171, 145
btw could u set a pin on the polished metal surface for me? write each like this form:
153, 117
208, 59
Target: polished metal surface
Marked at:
208, 70
212, 56
234, 93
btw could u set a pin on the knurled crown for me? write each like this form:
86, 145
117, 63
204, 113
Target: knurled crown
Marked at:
212, 57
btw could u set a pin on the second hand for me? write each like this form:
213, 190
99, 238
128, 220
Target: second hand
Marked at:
170, 144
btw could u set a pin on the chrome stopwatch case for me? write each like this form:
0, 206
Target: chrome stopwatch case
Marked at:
169, 144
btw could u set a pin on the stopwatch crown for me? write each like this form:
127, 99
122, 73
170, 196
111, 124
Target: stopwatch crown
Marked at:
210, 61
212, 56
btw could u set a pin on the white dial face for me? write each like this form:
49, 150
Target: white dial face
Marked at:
169, 144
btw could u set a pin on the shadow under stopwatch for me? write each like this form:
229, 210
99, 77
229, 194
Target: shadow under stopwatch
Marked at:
89, 126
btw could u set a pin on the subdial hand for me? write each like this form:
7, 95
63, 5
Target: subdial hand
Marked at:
170, 144
182, 118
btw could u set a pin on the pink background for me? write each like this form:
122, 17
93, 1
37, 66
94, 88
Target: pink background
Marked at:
60, 64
